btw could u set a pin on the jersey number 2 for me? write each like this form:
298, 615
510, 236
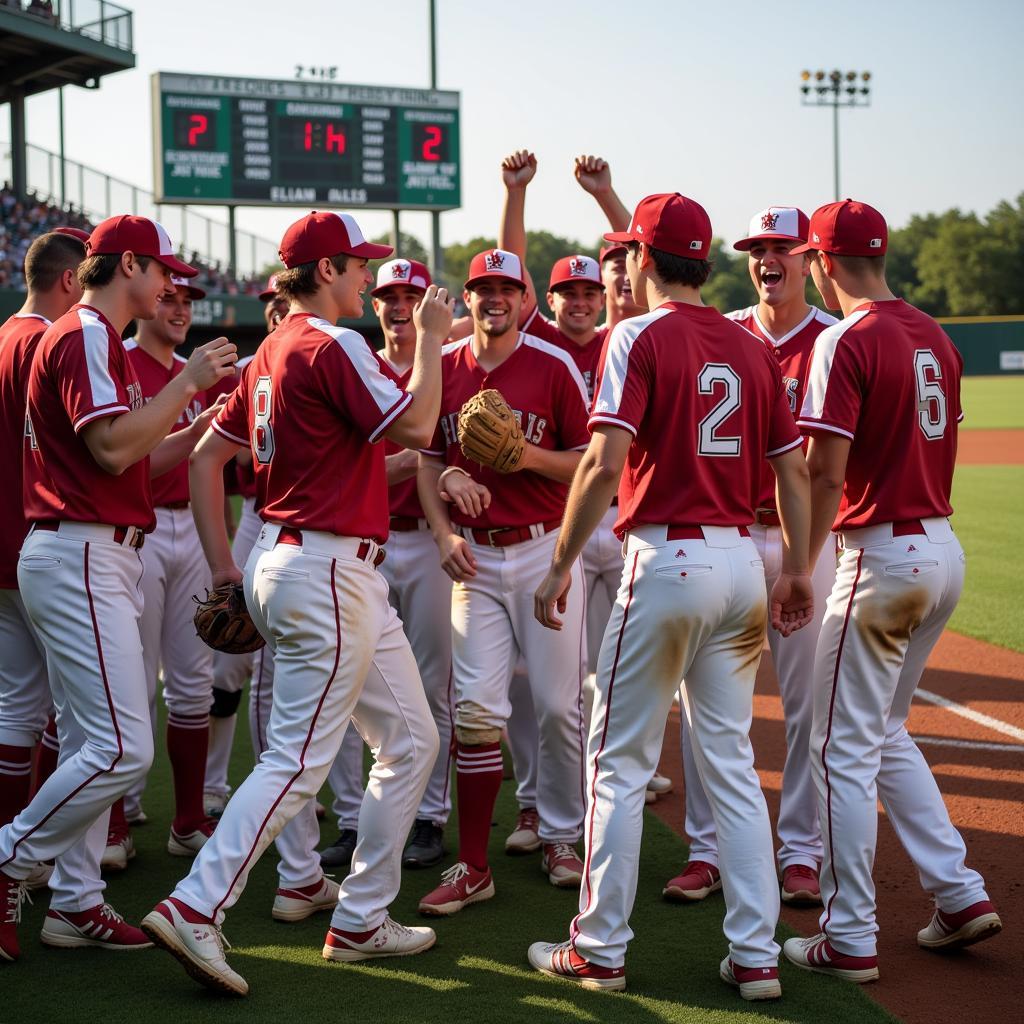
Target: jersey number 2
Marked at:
931, 399
710, 377
262, 431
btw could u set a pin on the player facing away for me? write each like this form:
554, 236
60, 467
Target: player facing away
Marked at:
51, 264
91, 445
173, 570
495, 540
881, 407
671, 432
788, 326
311, 405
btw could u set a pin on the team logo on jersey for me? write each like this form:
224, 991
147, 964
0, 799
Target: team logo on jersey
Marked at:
792, 385
769, 220
400, 271
578, 266
135, 399
494, 260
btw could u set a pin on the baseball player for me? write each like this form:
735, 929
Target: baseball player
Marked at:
173, 570
275, 305
91, 444
788, 326
494, 541
310, 406
25, 702
692, 600
881, 406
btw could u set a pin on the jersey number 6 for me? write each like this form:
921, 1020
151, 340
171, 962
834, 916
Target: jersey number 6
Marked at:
708, 442
262, 431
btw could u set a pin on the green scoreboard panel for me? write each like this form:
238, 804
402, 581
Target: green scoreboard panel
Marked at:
261, 142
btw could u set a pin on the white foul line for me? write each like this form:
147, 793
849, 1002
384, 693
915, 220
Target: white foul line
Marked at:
947, 741
974, 716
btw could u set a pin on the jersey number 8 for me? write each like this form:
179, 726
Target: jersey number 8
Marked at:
262, 431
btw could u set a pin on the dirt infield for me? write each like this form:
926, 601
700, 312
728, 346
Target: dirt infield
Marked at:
984, 790
990, 448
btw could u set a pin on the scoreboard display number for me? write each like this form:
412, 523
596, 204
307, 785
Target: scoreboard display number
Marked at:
261, 142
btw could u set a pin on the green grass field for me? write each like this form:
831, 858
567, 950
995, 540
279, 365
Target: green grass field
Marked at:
477, 971
993, 403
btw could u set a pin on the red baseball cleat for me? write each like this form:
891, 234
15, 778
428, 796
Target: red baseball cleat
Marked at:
562, 864
560, 960
12, 894
816, 954
800, 885
754, 983
298, 904
697, 881
100, 926
973, 924
524, 838
460, 886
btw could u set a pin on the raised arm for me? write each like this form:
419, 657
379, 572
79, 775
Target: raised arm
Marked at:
595, 176
517, 171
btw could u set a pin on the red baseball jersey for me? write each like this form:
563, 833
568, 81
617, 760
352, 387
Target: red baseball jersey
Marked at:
239, 478
170, 487
19, 337
81, 373
549, 397
403, 498
586, 357
888, 378
705, 403
793, 351
309, 402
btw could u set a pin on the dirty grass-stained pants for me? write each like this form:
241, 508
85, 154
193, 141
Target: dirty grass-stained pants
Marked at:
891, 600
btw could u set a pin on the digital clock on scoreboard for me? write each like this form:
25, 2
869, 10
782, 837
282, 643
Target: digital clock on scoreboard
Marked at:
260, 142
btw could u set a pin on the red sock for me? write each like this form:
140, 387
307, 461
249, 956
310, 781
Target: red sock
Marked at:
478, 779
187, 740
15, 780
46, 754
118, 822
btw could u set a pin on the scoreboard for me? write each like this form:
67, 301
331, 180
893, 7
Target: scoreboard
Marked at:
262, 142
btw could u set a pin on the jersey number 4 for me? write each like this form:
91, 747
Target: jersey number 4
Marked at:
262, 431
932, 415
712, 378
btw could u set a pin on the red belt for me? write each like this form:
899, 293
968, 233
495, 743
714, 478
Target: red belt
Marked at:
403, 524
119, 532
908, 528
767, 517
504, 536
175, 504
695, 532
288, 535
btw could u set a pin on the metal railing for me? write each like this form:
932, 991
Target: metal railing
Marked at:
99, 195
107, 23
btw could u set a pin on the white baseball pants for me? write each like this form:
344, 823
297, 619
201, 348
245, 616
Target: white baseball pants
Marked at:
339, 654
81, 590
793, 657
891, 600
492, 624
693, 609
25, 699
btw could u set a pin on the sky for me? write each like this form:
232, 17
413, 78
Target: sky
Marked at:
678, 96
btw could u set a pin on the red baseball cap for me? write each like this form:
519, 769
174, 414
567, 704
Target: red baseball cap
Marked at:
411, 273
776, 224
325, 233
82, 236
139, 235
847, 228
670, 222
609, 252
194, 291
270, 291
575, 268
495, 264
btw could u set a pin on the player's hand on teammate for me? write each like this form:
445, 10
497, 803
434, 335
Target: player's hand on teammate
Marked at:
202, 421
462, 491
518, 169
791, 604
552, 594
593, 174
433, 315
457, 558
211, 362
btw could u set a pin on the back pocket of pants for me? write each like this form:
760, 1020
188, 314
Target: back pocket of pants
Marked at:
911, 570
682, 572
39, 563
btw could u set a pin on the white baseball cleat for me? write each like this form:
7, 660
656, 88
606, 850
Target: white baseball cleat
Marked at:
298, 904
560, 960
973, 924
818, 954
659, 785
198, 946
754, 983
388, 939
214, 803
189, 844
119, 850
39, 876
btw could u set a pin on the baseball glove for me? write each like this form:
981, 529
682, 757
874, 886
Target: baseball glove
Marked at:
223, 622
489, 432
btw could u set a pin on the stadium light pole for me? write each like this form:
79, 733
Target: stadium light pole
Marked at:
835, 89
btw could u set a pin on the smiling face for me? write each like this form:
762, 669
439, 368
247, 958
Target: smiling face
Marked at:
274, 311
494, 306
778, 277
394, 307
146, 287
173, 318
577, 305
348, 286
617, 286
